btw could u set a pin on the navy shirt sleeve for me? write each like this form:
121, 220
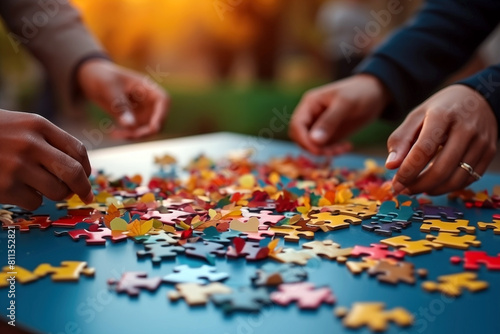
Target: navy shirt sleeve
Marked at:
443, 36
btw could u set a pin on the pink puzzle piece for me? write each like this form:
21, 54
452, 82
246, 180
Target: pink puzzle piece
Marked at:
377, 252
94, 237
132, 282
305, 294
170, 218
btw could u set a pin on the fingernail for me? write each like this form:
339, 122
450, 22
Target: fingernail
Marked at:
391, 157
127, 118
397, 187
318, 135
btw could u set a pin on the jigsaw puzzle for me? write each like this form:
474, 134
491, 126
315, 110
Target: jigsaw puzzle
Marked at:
452, 285
132, 283
305, 294
374, 316
200, 275
195, 294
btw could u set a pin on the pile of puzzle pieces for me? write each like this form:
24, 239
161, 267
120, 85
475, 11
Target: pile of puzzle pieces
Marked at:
238, 209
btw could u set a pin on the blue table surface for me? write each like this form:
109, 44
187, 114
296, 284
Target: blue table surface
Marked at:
89, 306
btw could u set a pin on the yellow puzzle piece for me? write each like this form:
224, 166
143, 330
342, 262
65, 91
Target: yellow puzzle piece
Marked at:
415, 247
495, 225
291, 233
454, 241
332, 221
22, 275
373, 315
452, 285
69, 270
449, 227
290, 255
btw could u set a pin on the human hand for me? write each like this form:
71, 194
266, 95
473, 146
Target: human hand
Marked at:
137, 103
454, 125
37, 158
327, 115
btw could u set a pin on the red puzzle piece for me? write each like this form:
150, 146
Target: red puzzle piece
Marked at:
305, 294
472, 260
75, 216
23, 225
377, 252
93, 237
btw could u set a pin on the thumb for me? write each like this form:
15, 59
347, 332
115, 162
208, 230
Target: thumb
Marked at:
325, 127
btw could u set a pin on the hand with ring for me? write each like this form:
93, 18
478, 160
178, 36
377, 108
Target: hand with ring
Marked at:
444, 144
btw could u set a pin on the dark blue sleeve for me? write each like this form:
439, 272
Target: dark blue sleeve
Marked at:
440, 39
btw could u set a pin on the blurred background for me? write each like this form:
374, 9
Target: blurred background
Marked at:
229, 65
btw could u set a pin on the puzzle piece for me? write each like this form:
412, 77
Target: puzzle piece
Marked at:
361, 211
328, 249
171, 217
449, 227
356, 267
305, 294
131, 283
157, 237
196, 294
259, 235
440, 212
332, 221
75, 216
24, 225
251, 225
159, 251
272, 274
291, 232
204, 250
264, 217
452, 285
393, 273
97, 237
21, 275
252, 251
472, 260
200, 275
388, 212
386, 228
416, 247
243, 299
454, 241
290, 255
377, 252
211, 234
374, 316
68, 271
495, 226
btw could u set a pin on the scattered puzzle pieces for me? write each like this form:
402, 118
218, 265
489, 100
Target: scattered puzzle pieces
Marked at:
157, 237
450, 227
452, 285
132, 282
160, 251
170, 218
329, 249
374, 316
305, 294
200, 275
454, 241
377, 252
195, 294
243, 299
410, 247
495, 226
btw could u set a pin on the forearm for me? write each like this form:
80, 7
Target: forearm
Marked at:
419, 57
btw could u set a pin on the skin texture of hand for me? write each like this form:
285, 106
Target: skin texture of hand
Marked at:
37, 158
137, 103
327, 115
452, 126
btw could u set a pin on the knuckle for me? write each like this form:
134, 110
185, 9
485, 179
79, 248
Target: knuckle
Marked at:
37, 122
81, 150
